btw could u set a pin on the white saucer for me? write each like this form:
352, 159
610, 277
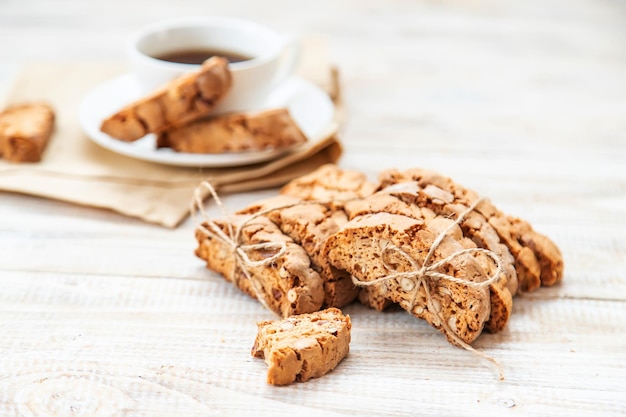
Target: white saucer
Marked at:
310, 107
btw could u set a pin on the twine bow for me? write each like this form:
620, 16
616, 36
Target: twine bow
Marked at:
418, 275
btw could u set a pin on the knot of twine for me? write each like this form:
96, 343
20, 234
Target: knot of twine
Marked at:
417, 278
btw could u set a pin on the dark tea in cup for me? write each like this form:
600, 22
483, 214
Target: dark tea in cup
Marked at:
198, 56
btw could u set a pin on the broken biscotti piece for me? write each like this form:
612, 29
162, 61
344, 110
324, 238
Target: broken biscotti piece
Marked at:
183, 99
538, 261
304, 346
240, 132
287, 285
375, 247
25, 131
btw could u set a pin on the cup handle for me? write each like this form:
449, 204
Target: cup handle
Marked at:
288, 61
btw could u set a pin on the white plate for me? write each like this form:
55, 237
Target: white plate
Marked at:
310, 107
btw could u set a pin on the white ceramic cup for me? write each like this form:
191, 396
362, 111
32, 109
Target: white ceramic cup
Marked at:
273, 56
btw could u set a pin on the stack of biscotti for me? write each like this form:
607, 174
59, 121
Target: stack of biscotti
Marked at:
378, 235
238, 132
180, 114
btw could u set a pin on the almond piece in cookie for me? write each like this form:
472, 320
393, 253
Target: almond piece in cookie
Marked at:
240, 132
304, 346
182, 100
25, 131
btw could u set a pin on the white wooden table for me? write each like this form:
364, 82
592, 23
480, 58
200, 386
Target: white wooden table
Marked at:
102, 315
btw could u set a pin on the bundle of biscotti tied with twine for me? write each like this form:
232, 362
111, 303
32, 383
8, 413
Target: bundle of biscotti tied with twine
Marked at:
180, 114
414, 238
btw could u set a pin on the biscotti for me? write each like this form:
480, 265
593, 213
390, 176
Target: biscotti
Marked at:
287, 285
378, 246
304, 346
538, 261
330, 183
183, 99
25, 131
240, 132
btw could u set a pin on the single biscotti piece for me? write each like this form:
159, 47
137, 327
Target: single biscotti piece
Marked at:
538, 260
25, 131
304, 346
309, 225
330, 183
288, 285
240, 132
182, 100
363, 248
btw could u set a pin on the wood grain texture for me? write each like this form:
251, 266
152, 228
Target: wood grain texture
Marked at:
102, 315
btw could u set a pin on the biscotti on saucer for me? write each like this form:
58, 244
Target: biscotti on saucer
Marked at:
183, 99
304, 346
239, 132
25, 131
